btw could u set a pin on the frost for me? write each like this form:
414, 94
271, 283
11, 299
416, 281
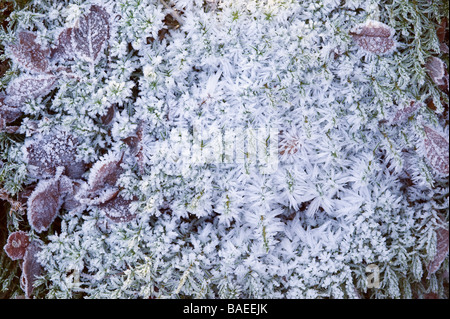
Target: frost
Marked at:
91, 34
31, 268
17, 244
44, 204
441, 250
45, 153
437, 70
29, 54
436, 148
374, 37
27, 86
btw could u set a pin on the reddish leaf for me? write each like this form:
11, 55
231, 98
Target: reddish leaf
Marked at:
45, 153
374, 37
30, 54
44, 204
27, 86
8, 114
31, 268
92, 33
437, 70
17, 244
436, 148
105, 173
118, 209
403, 114
64, 47
109, 116
441, 250
442, 30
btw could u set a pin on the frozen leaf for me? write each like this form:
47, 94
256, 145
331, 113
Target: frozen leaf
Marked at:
105, 173
436, 149
109, 116
437, 70
71, 203
44, 204
441, 250
29, 54
27, 86
92, 33
64, 48
45, 153
374, 37
31, 268
442, 30
403, 114
17, 244
118, 209
8, 114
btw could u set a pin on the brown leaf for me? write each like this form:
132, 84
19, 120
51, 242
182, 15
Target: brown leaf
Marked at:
92, 33
45, 153
403, 114
437, 70
17, 244
44, 204
441, 250
27, 86
8, 114
118, 209
374, 37
105, 173
29, 54
31, 268
436, 149
64, 48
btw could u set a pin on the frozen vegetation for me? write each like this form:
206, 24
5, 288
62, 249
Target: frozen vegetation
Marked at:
226, 149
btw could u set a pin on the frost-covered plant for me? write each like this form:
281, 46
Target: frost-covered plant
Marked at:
229, 149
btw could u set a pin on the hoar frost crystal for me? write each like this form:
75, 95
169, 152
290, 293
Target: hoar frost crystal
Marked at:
228, 149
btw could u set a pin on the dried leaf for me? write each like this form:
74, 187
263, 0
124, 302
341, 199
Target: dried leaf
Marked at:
92, 33
16, 245
27, 86
118, 209
437, 70
436, 148
374, 37
44, 204
64, 48
31, 268
441, 250
45, 153
29, 54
